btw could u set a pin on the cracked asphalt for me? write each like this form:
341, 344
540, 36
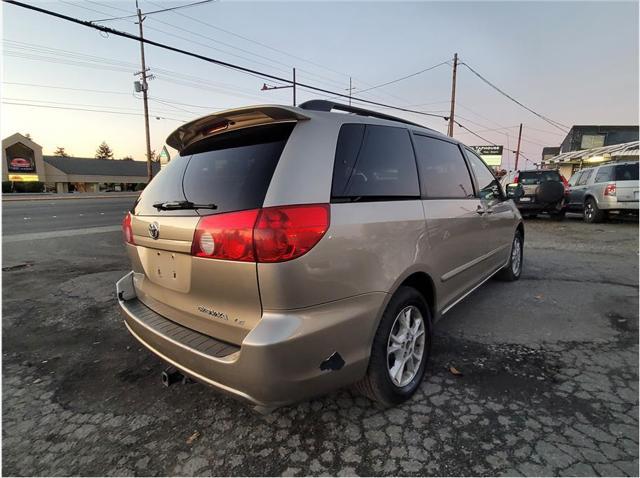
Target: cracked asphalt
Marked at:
549, 382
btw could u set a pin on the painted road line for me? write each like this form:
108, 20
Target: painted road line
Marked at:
33, 236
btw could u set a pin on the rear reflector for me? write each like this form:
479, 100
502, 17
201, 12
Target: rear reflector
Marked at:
127, 231
274, 234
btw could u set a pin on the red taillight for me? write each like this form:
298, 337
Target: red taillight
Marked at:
516, 178
610, 190
226, 236
273, 234
127, 231
284, 233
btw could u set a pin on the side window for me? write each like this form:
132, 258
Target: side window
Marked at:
488, 186
585, 177
604, 174
573, 181
443, 171
374, 162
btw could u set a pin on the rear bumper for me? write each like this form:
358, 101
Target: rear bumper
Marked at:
279, 361
618, 205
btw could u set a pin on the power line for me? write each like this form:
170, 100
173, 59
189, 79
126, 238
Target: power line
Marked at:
88, 110
66, 88
560, 126
202, 57
156, 11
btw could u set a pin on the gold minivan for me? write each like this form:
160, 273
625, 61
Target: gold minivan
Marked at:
288, 251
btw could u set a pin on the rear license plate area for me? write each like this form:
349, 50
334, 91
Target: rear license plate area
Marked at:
524, 199
167, 269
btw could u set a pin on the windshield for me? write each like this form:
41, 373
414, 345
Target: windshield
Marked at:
232, 171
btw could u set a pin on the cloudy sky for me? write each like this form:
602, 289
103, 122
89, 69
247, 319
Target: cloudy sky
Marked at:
70, 86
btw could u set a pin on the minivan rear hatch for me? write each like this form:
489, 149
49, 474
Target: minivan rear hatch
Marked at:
219, 170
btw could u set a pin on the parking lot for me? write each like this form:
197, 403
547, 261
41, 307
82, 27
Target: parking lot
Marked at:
548, 384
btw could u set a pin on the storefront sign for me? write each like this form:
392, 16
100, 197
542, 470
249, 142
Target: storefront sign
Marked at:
492, 155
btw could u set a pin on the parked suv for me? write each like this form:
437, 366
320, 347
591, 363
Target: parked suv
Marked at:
542, 191
604, 189
289, 251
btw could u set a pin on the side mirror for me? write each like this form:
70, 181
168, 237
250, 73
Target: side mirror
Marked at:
514, 191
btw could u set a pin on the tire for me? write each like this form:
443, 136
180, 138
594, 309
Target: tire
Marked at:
378, 384
509, 273
592, 214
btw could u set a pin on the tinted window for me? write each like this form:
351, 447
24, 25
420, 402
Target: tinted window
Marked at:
627, 172
232, 170
604, 174
374, 162
574, 178
585, 177
443, 171
488, 186
536, 177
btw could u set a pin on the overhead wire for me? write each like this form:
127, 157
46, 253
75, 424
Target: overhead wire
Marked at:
201, 57
556, 124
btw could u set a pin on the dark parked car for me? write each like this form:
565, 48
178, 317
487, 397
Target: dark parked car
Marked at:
540, 191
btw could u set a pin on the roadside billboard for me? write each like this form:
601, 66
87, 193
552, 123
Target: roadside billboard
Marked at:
21, 161
492, 155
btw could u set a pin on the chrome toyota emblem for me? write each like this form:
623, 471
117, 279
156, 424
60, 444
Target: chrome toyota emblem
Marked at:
154, 230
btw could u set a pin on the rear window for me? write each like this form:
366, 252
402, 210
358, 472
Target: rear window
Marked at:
536, 177
627, 172
232, 171
374, 163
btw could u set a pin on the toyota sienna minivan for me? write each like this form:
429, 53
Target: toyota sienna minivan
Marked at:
288, 251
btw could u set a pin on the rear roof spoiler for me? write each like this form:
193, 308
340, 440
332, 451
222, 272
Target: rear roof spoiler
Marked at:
230, 120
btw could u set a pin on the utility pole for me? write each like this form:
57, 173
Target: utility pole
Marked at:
518, 150
350, 90
294, 87
453, 95
145, 100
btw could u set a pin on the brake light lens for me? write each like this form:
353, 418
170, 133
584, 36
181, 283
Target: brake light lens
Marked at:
610, 190
226, 236
273, 234
127, 231
516, 178
284, 233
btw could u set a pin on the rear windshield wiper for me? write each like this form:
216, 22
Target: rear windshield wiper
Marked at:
175, 205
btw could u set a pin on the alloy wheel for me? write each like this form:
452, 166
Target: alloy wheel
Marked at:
406, 346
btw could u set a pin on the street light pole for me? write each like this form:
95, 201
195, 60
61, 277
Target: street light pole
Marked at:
266, 87
145, 98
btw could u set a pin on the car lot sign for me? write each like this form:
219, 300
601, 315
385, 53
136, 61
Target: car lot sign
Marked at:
492, 155
20, 159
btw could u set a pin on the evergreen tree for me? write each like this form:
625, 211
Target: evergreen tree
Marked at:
104, 151
60, 152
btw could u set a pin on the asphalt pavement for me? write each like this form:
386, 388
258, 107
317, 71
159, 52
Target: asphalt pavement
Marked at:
36, 216
548, 384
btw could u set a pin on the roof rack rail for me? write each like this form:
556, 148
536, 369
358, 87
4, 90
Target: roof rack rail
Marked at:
325, 105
